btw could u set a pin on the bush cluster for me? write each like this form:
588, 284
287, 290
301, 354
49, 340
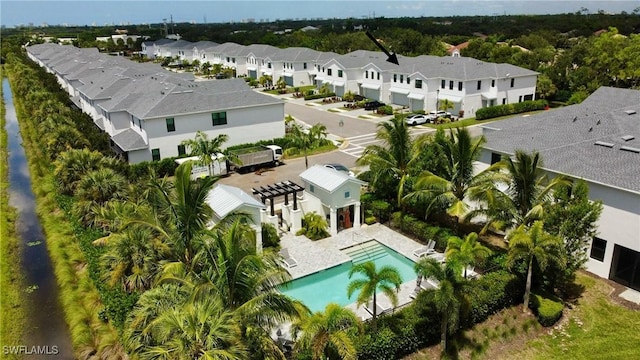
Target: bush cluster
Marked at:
491, 293
319, 96
422, 230
384, 110
162, 168
548, 308
510, 109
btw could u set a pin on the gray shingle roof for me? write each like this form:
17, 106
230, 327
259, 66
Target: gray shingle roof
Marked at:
566, 138
129, 140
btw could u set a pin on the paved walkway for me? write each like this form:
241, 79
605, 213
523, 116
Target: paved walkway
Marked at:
313, 256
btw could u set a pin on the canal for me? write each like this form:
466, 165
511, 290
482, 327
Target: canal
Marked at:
47, 334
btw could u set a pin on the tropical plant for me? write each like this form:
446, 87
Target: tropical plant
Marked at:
445, 105
466, 252
206, 150
390, 164
527, 190
328, 332
302, 140
281, 84
452, 179
72, 165
324, 89
533, 244
314, 226
387, 279
450, 296
95, 189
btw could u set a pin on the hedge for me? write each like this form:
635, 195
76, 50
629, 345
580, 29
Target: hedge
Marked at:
510, 109
421, 229
319, 96
548, 308
491, 293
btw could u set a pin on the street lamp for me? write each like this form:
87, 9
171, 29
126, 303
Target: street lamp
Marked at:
437, 99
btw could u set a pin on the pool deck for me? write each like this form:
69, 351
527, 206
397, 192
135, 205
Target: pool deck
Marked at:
313, 256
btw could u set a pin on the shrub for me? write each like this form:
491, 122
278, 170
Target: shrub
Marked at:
370, 220
319, 96
548, 308
385, 110
270, 236
510, 109
491, 293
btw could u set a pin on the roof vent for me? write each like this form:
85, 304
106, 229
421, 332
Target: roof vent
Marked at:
630, 112
628, 137
591, 129
605, 144
575, 118
630, 149
598, 122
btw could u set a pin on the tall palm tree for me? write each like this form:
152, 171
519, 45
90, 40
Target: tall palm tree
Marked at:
467, 251
391, 162
327, 332
454, 179
387, 280
531, 244
527, 189
304, 140
450, 295
206, 149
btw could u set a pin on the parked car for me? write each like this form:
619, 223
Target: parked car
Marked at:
433, 115
372, 105
416, 119
340, 167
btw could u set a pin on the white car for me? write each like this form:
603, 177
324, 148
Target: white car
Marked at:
434, 115
341, 168
416, 119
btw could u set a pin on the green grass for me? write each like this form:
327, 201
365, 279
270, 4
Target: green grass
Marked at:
13, 312
318, 150
597, 328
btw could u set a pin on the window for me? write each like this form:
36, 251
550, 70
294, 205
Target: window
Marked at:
479, 85
401, 78
181, 150
450, 84
598, 247
520, 98
312, 188
329, 72
378, 77
366, 74
227, 59
493, 83
219, 118
171, 125
269, 65
408, 80
459, 85
418, 84
155, 154
395, 77
304, 66
339, 73
347, 194
513, 82
140, 124
442, 83
495, 158
233, 60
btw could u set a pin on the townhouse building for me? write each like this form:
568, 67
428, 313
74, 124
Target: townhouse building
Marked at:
598, 141
148, 111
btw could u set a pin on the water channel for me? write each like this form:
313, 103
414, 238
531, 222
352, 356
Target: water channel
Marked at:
47, 334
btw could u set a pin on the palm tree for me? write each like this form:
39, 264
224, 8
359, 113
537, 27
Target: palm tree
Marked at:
467, 251
454, 179
450, 295
305, 140
315, 226
387, 280
391, 162
327, 333
522, 202
206, 149
202, 329
533, 244
95, 189
281, 84
72, 165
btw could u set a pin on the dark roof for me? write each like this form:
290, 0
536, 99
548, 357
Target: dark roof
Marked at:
594, 140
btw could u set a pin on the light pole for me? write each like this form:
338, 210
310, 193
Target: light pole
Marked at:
437, 99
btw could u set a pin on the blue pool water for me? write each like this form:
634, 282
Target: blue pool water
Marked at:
319, 289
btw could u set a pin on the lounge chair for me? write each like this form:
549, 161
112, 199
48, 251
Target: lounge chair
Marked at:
287, 259
380, 309
425, 250
439, 257
471, 273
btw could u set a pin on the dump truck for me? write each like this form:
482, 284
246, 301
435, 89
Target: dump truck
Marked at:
254, 158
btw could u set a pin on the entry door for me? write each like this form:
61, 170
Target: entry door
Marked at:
625, 267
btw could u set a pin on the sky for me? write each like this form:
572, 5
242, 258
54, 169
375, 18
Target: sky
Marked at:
110, 12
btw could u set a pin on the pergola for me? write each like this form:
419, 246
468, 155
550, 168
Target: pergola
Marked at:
278, 189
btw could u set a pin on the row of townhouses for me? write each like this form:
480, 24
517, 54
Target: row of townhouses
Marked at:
419, 83
598, 141
148, 111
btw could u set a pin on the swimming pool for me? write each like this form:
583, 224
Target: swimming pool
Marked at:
318, 289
